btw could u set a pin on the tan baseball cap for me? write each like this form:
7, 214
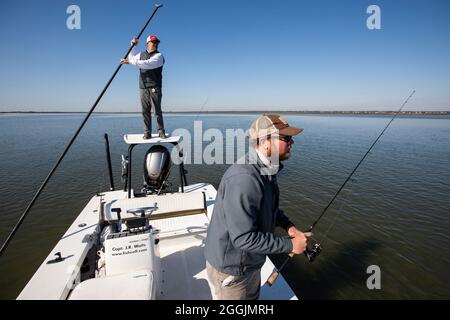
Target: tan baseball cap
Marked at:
272, 124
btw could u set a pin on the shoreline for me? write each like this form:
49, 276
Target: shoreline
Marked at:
440, 113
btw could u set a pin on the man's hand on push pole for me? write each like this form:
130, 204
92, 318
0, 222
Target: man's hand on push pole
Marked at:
133, 42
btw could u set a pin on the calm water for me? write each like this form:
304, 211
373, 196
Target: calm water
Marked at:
394, 214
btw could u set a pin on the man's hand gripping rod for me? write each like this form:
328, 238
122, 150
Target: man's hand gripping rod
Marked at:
310, 254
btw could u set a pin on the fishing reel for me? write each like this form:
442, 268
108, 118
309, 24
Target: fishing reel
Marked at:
312, 253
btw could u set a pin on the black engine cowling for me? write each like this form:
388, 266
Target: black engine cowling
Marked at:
156, 166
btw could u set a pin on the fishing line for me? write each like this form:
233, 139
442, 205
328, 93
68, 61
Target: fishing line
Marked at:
201, 108
325, 236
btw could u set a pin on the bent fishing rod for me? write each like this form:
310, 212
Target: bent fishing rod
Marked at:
41, 188
312, 253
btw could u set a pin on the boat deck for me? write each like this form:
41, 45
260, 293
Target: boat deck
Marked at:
181, 244
182, 260
183, 264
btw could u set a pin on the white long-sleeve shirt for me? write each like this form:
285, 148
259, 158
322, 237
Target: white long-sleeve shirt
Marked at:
156, 61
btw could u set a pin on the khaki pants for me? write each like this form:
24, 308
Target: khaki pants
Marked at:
227, 287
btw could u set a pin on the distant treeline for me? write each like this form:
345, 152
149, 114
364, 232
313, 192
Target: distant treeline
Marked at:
322, 112
252, 112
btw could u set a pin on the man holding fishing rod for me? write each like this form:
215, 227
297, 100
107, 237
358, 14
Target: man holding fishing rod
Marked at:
241, 231
150, 63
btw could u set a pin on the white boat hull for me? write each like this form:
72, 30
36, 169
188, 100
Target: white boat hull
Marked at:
182, 273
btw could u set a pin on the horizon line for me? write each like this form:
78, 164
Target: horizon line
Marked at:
440, 112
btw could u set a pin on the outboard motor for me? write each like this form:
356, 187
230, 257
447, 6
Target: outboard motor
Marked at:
156, 167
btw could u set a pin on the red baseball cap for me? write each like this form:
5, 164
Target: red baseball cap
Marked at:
153, 39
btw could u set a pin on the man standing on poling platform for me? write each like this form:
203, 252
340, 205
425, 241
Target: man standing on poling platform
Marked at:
150, 63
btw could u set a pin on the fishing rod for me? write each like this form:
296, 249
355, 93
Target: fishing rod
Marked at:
312, 253
25, 213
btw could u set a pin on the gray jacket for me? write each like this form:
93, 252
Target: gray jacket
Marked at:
240, 233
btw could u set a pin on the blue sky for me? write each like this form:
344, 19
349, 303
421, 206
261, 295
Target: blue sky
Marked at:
229, 55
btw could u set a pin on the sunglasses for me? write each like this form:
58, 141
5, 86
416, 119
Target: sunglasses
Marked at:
286, 139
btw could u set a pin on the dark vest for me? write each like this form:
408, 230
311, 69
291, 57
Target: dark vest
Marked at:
150, 78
